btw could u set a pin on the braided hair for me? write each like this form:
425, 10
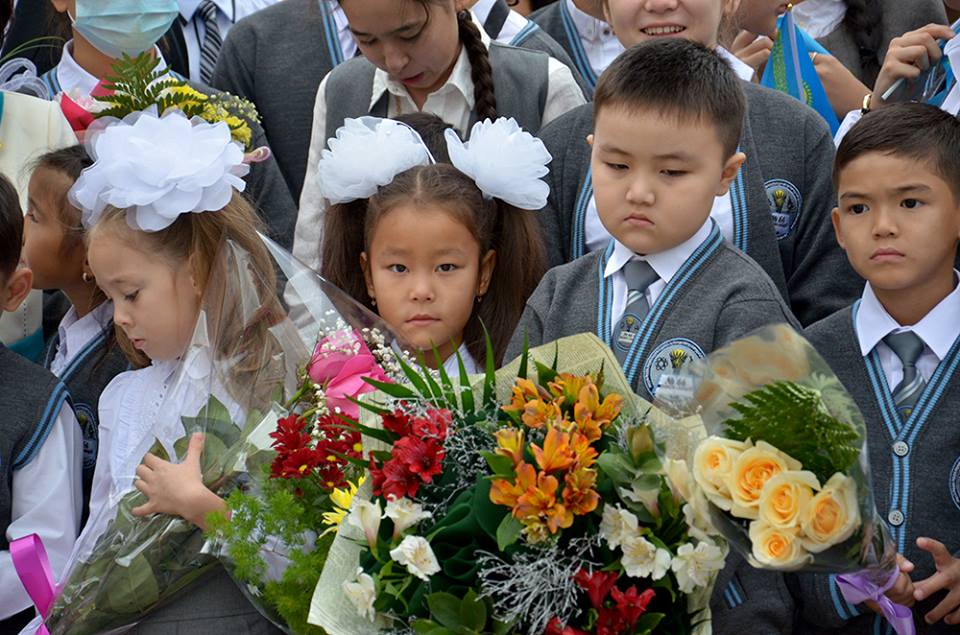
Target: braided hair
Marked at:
863, 21
480, 71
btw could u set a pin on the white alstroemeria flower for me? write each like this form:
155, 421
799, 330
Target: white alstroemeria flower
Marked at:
415, 554
366, 516
642, 559
618, 525
362, 594
405, 514
696, 567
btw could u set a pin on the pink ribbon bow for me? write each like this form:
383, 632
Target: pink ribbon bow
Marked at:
32, 565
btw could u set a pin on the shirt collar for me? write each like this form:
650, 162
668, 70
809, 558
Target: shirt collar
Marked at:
74, 78
76, 333
482, 9
743, 70
589, 28
938, 329
665, 263
339, 17
189, 7
459, 80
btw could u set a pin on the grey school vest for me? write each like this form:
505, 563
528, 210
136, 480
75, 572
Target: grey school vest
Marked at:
782, 199
520, 80
718, 295
915, 465
30, 402
556, 20
87, 374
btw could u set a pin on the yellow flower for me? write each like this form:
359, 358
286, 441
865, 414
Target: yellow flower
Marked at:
751, 470
785, 496
712, 465
778, 549
341, 499
832, 515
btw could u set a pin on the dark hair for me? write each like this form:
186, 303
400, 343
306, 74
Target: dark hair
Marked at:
864, 22
674, 76
11, 227
481, 73
513, 234
431, 129
919, 132
70, 162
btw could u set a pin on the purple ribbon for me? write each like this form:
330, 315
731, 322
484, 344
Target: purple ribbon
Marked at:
32, 565
858, 587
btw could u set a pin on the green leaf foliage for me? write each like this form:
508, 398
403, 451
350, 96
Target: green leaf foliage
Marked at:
793, 419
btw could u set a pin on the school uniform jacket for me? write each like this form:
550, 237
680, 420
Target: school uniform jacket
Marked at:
915, 470
534, 38
897, 18
266, 189
556, 20
782, 199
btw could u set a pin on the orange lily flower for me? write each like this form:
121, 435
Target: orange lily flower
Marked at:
539, 505
578, 493
589, 409
586, 454
556, 453
523, 391
503, 492
538, 413
510, 444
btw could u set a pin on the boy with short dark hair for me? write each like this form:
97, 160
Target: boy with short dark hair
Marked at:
897, 350
40, 442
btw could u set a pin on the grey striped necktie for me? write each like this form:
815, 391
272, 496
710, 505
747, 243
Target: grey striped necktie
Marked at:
640, 275
907, 346
212, 42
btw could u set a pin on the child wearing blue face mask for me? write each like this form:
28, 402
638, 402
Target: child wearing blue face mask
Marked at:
103, 31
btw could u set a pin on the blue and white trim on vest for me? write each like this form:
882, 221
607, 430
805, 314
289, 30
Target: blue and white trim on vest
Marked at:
41, 431
641, 342
577, 52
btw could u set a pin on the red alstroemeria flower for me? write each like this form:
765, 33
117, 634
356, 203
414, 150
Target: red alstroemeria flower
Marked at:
609, 622
434, 424
423, 457
596, 584
393, 480
556, 627
630, 604
397, 422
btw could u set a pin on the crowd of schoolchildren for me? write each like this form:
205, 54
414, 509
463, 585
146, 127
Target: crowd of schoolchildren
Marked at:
682, 206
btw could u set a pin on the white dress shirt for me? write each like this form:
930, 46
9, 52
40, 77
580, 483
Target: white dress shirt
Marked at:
665, 264
597, 38
75, 80
597, 236
820, 17
76, 333
194, 30
938, 329
514, 24
47, 501
453, 102
452, 368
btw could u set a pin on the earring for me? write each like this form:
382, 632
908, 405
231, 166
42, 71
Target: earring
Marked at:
86, 277
479, 299
373, 301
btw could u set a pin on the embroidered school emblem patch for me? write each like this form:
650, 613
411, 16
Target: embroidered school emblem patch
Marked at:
91, 438
785, 203
666, 361
955, 483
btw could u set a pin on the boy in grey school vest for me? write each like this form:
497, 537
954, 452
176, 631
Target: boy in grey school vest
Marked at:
39, 439
897, 350
668, 289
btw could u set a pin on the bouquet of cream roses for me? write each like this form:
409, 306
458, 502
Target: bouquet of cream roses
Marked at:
776, 448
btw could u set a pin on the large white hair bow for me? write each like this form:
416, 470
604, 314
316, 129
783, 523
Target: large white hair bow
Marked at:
504, 161
158, 168
366, 154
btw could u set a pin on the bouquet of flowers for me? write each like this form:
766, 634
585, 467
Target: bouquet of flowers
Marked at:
246, 356
532, 502
777, 449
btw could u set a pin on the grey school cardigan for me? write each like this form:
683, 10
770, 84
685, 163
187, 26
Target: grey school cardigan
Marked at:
898, 17
276, 59
915, 471
718, 295
782, 199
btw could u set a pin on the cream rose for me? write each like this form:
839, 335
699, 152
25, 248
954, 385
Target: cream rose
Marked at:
785, 496
832, 515
778, 549
751, 470
713, 463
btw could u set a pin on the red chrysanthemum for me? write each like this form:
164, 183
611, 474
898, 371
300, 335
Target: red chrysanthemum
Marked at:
297, 464
290, 434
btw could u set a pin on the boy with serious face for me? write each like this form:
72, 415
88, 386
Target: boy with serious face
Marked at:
897, 350
667, 289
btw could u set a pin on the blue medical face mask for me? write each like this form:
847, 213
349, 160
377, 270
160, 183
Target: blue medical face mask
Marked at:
115, 27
